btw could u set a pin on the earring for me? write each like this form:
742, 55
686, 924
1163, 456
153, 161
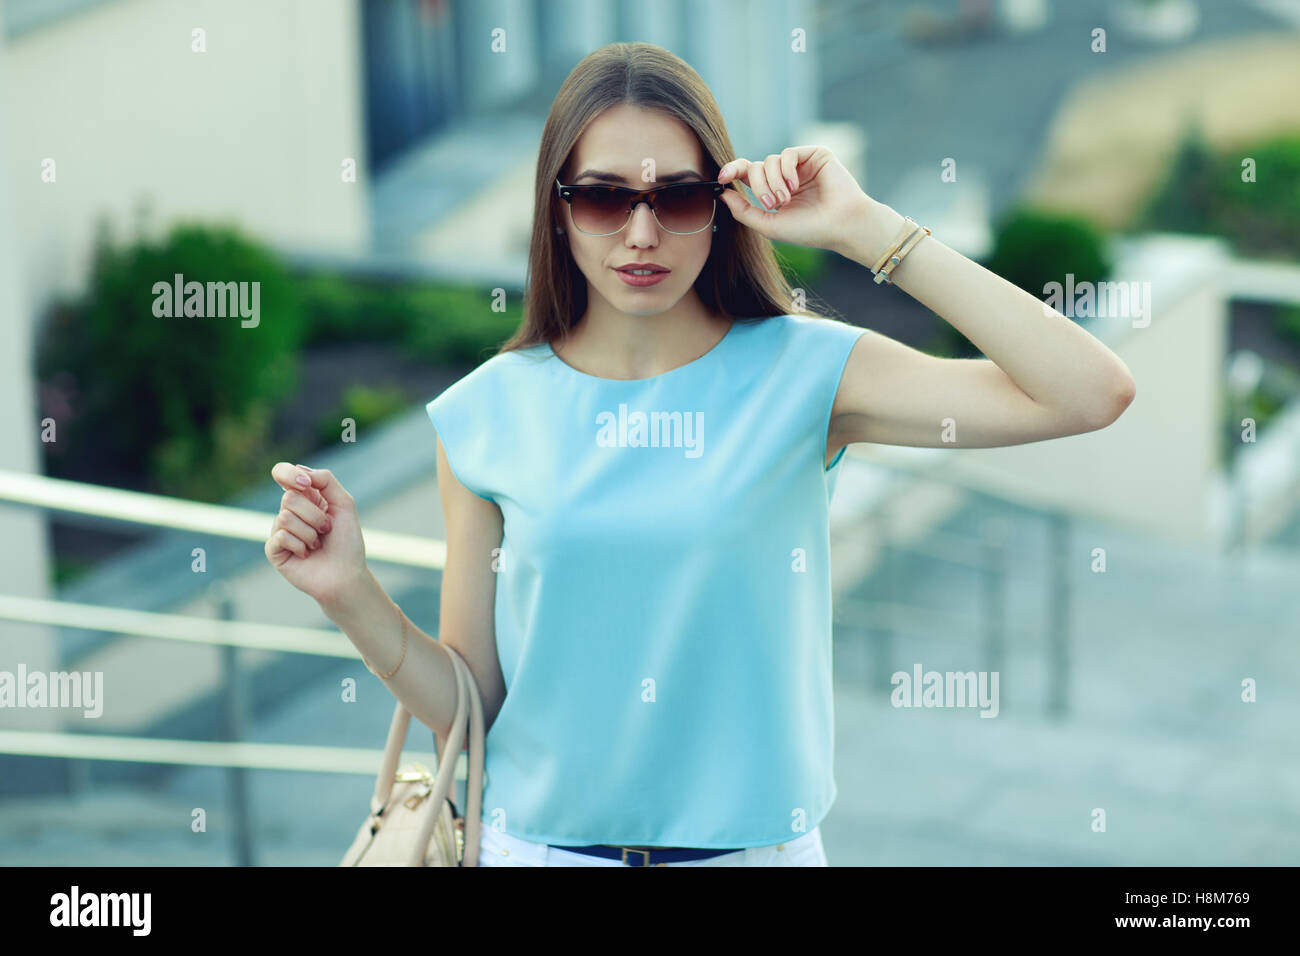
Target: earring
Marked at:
715, 228
559, 231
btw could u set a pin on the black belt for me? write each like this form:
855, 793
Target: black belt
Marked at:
645, 856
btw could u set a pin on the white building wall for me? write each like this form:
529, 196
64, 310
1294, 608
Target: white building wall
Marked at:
252, 132
23, 547
1158, 466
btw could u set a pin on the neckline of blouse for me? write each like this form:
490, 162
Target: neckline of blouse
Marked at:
693, 363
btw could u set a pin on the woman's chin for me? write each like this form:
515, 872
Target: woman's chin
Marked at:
628, 298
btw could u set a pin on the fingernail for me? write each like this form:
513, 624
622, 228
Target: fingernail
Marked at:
326, 526
767, 200
790, 184
304, 481
784, 197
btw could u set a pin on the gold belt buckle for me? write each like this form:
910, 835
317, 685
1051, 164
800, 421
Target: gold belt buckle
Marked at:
625, 850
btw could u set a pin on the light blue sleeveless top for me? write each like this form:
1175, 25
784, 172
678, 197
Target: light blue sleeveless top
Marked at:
663, 591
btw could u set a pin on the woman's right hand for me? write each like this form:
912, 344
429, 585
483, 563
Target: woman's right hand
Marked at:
315, 540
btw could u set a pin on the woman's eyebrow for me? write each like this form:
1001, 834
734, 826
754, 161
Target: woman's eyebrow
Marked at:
615, 178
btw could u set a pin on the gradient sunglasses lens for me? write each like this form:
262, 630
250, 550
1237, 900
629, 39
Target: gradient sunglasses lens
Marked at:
685, 208
600, 210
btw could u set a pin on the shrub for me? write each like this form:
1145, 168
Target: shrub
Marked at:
801, 265
231, 455
1181, 203
345, 309
449, 325
1287, 323
176, 396
1260, 217
455, 326
364, 405
1204, 193
1034, 247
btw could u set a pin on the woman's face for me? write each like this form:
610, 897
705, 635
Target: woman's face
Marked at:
623, 141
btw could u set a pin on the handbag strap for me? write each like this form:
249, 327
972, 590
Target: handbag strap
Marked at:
468, 718
397, 738
392, 754
474, 774
444, 784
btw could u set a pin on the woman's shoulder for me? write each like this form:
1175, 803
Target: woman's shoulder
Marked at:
821, 326
802, 324
794, 334
501, 371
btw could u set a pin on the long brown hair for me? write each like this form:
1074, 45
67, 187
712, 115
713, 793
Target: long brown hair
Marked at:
741, 278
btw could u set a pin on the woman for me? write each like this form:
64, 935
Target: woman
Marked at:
636, 487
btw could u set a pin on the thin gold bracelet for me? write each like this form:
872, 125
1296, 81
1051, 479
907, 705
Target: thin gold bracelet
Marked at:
886, 273
905, 229
401, 617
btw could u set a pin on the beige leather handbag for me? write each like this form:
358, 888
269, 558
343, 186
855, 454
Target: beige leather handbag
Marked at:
413, 819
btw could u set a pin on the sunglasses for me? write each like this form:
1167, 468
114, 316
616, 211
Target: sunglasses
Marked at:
679, 208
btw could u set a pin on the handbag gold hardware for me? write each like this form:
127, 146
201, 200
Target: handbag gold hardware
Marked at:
415, 772
414, 800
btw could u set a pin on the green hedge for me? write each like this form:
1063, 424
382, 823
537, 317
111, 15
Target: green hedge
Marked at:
802, 265
1204, 193
185, 405
444, 324
181, 398
366, 405
1031, 248
1287, 323
1034, 247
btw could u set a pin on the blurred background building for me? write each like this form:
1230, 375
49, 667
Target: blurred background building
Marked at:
371, 163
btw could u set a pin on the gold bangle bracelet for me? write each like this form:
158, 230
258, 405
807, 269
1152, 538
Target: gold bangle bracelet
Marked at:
402, 618
905, 229
886, 273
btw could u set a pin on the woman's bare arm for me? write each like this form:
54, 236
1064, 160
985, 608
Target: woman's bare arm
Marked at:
316, 544
474, 530
1045, 376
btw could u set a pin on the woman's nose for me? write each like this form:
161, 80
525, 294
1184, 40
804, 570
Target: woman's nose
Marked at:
643, 218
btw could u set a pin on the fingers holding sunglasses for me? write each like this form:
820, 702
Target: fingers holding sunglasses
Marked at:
758, 182
752, 174
741, 171
736, 171
778, 176
774, 168
790, 168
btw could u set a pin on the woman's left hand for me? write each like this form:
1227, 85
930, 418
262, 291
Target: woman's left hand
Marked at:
817, 202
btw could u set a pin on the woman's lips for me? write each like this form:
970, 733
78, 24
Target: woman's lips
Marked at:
639, 281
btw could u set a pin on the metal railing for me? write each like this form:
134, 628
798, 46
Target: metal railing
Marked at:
886, 616
234, 755
177, 514
986, 557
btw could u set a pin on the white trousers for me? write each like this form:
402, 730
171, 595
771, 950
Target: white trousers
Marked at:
503, 849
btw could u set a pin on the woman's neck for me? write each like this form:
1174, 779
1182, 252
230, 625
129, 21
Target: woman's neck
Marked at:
622, 346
